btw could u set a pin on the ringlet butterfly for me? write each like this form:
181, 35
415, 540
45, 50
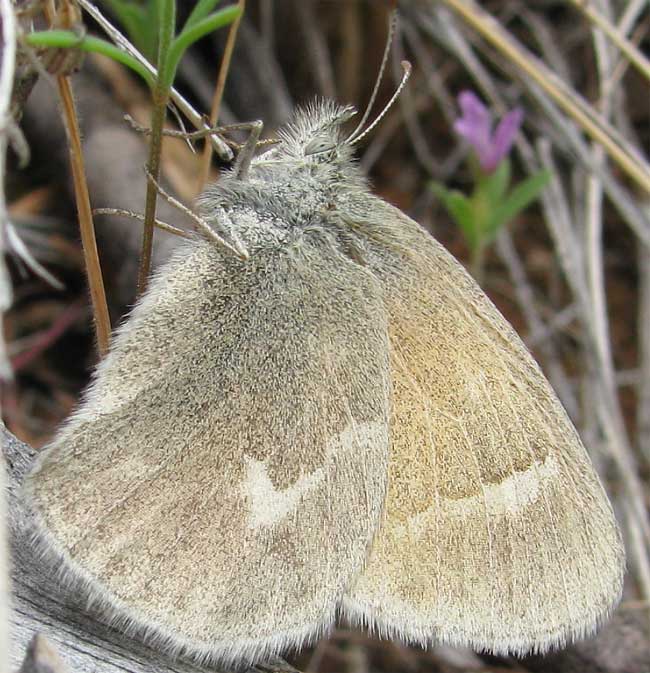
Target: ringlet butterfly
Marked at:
341, 425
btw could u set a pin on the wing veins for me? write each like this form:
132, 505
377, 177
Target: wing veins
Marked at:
547, 507
425, 401
509, 522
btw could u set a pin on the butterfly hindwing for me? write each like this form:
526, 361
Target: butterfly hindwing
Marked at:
497, 532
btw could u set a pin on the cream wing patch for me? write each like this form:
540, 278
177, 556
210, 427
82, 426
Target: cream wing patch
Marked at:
510, 497
497, 533
268, 506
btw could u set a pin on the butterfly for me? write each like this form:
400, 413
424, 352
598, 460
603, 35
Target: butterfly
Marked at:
341, 426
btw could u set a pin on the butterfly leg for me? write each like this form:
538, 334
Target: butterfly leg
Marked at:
246, 153
245, 156
226, 231
231, 242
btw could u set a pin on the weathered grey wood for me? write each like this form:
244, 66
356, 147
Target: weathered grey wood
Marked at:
42, 657
4, 574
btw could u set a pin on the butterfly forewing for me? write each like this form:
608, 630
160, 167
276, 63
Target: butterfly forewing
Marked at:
200, 481
497, 532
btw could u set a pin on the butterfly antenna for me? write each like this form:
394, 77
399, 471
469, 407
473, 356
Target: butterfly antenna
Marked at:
406, 67
389, 42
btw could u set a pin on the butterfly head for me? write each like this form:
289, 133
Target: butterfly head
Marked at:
313, 157
315, 137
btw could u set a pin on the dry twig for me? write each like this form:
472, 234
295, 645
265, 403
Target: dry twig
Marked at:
218, 94
84, 210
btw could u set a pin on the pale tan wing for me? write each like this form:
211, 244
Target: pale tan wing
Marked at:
220, 484
497, 532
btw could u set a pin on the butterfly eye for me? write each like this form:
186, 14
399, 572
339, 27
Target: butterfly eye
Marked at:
319, 145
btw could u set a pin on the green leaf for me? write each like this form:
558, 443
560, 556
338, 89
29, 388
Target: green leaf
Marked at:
200, 11
140, 24
66, 39
462, 211
496, 183
130, 15
520, 197
200, 29
151, 31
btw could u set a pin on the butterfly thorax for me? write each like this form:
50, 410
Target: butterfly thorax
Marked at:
304, 183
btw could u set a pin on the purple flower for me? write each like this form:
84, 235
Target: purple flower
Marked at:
475, 126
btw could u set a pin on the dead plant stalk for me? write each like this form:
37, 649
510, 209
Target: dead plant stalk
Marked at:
206, 158
84, 210
82, 199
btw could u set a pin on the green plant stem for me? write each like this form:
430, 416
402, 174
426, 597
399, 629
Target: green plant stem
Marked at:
477, 263
158, 116
166, 65
167, 18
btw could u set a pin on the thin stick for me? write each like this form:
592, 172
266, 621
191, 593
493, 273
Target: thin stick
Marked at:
643, 387
4, 570
638, 551
630, 51
41, 341
84, 210
631, 14
569, 251
16, 246
7, 67
163, 226
570, 139
595, 266
206, 158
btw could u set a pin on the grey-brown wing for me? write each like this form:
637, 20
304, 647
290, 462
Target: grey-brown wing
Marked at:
220, 484
498, 534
